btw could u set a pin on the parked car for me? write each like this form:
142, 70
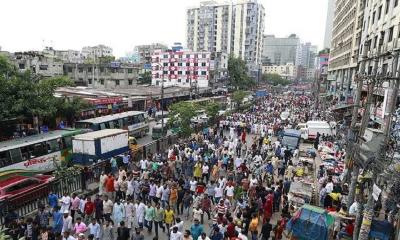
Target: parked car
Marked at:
18, 185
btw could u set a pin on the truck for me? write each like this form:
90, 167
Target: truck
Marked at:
291, 138
90, 147
321, 127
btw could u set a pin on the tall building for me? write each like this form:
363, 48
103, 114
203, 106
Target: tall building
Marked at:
279, 51
145, 52
305, 55
329, 24
232, 28
182, 68
346, 37
96, 51
381, 40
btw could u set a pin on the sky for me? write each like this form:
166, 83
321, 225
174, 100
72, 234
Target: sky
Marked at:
122, 24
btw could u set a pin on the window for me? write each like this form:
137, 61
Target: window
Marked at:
196, 64
80, 70
390, 37
187, 72
387, 6
89, 69
16, 155
70, 69
203, 64
195, 72
90, 81
43, 67
375, 41
130, 82
396, 2
187, 55
130, 70
379, 12
117, 82
171, 72
373, 17
165, 64
203, 73
21, 66
179, 72
187, 64
165, 72
101, 69
102, 81
5, 158
53, 146
165, 56
180, 64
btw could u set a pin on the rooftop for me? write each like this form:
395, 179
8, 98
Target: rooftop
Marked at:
100, 134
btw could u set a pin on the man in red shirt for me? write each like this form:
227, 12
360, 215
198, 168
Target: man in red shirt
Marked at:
231, 228
89, 209
347, 231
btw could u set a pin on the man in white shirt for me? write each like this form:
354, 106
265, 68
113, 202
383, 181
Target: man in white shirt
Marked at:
143, 164
94, 228
329, 186
65, 202
175, 234
354, 208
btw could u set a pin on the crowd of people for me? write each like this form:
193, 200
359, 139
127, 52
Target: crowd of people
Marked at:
229, 181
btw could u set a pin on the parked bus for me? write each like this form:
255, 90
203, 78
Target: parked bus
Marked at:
34, 154
133, 121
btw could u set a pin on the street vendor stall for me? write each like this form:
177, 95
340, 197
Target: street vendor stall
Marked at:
300, 193
310, 223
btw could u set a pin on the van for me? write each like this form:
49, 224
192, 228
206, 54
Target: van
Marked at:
321, 127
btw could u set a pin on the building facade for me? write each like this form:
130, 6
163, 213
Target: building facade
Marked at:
97, 51
380, 39
286, 71
329, 24
232, 28
103, 76
38, 63
279, 51
182, 68
305, 55
145, 52
346, 37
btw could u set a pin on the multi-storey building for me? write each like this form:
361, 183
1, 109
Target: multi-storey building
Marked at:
38, 63
286, 71
329, 24
305, 55
182, 68
96, 51
103, 76
346, 36
233, 28
66, 56
279, 51
380, 38
145, 52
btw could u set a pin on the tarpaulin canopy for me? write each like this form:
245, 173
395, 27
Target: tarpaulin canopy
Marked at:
310, 223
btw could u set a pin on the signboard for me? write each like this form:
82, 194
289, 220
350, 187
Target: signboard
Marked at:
106, 101
147, 66
331, 78
115, 64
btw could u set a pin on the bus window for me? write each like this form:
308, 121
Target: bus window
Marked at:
110, 124
5, 158
120, 123
95, 127
16, 155
141, 117
67, 142
39, 149
102, 126
26, 153
125, 122
53, 146
135, 119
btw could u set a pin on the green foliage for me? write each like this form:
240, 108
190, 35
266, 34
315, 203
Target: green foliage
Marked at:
238, 97
180, 114
145, 78
275, 79
212, 110
69, 108
238, 73
23, 95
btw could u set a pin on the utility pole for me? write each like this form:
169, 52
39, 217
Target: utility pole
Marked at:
351, 135
369, 211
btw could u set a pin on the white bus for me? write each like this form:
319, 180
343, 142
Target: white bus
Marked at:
135, 122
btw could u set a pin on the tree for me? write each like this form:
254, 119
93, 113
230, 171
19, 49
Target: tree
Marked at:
181, 114
68, 109
212, 110
275, 79
145, 78
238, 76
238, 97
